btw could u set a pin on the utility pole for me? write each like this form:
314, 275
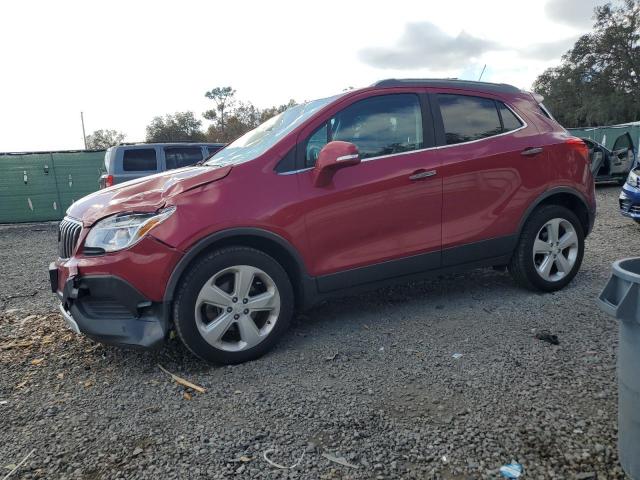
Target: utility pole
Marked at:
84, 136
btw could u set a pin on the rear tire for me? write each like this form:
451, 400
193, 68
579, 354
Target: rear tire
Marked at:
550, 249
233, 306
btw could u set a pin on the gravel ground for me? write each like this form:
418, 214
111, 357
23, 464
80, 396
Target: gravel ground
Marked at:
371, 379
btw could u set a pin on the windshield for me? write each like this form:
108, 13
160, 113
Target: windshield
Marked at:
257, 141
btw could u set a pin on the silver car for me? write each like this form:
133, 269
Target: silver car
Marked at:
127, 162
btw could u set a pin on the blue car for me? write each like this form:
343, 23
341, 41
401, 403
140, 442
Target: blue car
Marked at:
630, 196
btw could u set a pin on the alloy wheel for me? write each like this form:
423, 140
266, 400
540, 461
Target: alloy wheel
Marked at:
237, 308
555, 249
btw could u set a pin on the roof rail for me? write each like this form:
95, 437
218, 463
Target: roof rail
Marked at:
446, 83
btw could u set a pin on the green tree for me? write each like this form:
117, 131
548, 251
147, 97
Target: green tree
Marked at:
597, 82
103, 139
240, 118
179, 127
223, 98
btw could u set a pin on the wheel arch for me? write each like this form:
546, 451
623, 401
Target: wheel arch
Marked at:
566, 197
268, 242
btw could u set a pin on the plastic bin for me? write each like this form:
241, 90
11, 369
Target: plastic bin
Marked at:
621, 299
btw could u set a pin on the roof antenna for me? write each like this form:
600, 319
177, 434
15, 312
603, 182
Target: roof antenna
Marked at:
482, 73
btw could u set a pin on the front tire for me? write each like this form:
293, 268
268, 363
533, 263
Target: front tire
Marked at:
233, 306
549, 251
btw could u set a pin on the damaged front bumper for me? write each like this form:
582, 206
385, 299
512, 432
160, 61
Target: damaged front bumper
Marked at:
109, 310
117, 298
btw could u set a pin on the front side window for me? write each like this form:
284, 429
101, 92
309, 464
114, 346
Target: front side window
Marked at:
178, 157
139, 160
382, 125
467, 118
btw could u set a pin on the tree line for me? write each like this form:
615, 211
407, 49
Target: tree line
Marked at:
229, 119
597, 81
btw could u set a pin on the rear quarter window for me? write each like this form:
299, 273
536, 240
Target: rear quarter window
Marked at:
139, 160
509, 120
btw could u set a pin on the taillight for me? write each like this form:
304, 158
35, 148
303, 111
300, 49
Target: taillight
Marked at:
108, 181
578, 145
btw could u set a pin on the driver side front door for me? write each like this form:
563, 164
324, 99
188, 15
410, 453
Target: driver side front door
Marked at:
381, 218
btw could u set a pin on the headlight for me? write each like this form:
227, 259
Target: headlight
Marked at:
121, 231
632, 179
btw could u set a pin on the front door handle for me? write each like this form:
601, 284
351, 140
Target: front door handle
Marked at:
422, 174
532, 151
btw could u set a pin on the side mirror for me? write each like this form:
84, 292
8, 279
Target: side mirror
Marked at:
334, 156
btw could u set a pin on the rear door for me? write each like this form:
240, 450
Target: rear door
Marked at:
492, 167
378, 212
622, 155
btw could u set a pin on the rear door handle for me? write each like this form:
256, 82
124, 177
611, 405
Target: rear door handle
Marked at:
422, 174
532, 151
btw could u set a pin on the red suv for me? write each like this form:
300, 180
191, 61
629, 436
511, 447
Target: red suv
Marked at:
387, 183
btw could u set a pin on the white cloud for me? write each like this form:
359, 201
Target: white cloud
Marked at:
577, 13
424, 44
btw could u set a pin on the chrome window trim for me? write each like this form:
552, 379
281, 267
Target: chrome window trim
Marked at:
437, 147
293, 172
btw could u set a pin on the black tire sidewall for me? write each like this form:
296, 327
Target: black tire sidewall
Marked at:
530, 233
202, 270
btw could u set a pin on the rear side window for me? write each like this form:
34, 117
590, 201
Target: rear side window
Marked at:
382, 125
467, 118
178, 157
139, 160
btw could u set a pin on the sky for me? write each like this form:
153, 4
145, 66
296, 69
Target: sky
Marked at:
124, 62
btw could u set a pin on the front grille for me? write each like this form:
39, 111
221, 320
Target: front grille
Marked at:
68, 234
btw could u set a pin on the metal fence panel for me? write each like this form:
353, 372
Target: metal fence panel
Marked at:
607, 135
36, 187
77, 174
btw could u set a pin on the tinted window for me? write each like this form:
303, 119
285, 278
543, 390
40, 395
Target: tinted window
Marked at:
139, 160
378, 126
178, 157
509, 120
468, 118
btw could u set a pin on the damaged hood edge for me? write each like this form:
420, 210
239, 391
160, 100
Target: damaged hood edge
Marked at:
146, 194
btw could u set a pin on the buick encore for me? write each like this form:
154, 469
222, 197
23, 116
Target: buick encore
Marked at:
388, 183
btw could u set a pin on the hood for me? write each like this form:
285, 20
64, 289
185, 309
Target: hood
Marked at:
146, 194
